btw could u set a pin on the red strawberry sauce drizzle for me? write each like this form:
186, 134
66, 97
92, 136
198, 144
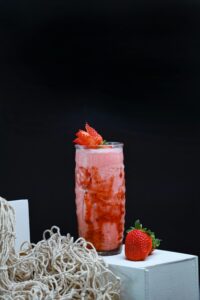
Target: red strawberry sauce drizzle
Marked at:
101, 202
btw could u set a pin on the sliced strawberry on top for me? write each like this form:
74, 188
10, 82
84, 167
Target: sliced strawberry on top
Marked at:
84, 138
83, 135
89, 138
78, 141
92, 132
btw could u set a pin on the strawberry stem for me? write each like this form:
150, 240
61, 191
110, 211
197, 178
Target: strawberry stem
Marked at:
104, 142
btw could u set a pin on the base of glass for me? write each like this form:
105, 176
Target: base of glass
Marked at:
110, 252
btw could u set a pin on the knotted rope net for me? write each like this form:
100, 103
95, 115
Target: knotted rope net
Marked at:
57, 267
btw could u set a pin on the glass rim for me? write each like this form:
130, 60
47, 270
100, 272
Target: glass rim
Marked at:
104, 146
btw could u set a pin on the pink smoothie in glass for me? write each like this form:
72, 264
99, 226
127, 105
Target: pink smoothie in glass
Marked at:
100, 196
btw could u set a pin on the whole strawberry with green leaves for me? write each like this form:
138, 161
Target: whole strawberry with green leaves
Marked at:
140, 242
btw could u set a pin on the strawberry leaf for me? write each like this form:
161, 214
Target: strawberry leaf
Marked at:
138, 225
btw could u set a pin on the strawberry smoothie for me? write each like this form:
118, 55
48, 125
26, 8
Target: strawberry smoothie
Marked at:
100, 196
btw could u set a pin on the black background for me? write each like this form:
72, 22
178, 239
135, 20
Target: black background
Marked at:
129, 68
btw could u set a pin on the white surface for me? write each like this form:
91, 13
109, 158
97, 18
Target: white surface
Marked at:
158, 257
22, 221
164, 275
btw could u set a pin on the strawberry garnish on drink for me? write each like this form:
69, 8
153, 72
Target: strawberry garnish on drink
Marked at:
94, 134
89, 137
140, 242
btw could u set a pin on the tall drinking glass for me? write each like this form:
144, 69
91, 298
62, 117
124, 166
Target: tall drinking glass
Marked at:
100, 196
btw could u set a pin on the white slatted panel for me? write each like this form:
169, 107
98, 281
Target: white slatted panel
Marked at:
22, 221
